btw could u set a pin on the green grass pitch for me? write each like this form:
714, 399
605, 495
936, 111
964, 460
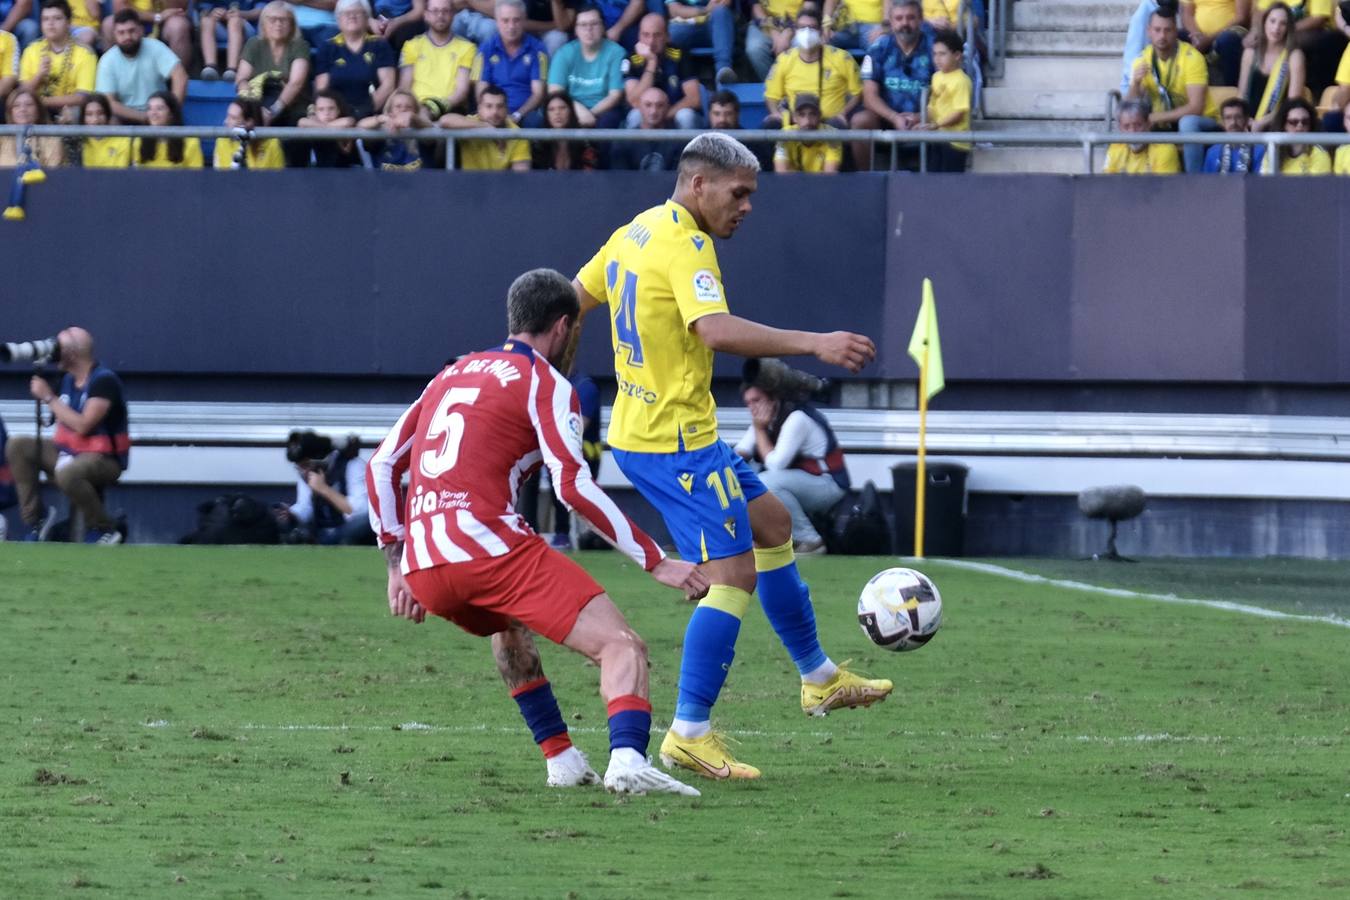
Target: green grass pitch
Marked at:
196, 722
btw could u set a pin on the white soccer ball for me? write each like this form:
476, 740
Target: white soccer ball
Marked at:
900, 609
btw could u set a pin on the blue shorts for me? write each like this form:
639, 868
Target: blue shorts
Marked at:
703, 496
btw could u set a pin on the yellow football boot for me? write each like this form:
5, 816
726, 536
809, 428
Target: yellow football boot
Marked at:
706, 755
845, 689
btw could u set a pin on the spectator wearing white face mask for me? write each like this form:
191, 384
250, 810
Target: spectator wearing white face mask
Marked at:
812, 67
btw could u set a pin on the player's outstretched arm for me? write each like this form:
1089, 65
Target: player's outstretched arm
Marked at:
683, 576
401, 602
588, 303
726, 333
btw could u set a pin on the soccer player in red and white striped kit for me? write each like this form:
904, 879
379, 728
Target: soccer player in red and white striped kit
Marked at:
456, 547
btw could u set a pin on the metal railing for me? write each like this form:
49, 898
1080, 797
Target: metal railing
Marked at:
1087, 140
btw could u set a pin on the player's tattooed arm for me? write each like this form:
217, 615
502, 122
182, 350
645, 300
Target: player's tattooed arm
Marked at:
517, 656
393, 554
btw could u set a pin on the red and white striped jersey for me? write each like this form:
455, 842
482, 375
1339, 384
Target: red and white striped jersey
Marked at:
480, 428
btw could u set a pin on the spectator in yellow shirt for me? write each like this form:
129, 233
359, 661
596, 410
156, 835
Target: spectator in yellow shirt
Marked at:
948, 103
798, 156
854, 23
1139, 159
9, 64
813, 67
57, 68
104, 152
1342, 164
1218, 26
246, 152
23, 108
769, 34
490, 156
1297, 116
170, 153
944, 15
1174, 78
1321, 34
438, 67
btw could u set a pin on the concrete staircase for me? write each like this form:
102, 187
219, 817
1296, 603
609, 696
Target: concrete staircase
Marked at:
1063, 57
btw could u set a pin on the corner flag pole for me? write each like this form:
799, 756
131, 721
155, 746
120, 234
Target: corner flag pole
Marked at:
925, 348
921, 479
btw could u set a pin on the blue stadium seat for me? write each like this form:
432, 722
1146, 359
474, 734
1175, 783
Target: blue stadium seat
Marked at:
206, 104
751, 96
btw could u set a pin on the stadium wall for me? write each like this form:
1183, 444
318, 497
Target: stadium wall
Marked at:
1039, 278
330, 286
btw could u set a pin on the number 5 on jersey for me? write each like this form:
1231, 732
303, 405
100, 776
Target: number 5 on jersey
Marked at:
625, 313
450, 424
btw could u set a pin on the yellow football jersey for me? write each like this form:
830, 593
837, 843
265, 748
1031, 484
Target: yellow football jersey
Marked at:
192, 155
435, 68
659, 274
790, 76
106, 153
261, 154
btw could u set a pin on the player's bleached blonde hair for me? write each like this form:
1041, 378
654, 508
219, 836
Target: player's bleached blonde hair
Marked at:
718, 151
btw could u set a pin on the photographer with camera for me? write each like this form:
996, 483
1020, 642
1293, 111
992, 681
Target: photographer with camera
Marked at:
803, 463
90, 448
330, 493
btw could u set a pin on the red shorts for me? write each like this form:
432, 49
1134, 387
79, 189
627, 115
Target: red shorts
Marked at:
532, 583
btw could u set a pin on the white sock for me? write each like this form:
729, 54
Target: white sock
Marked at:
627, 757
686, 729
821, 673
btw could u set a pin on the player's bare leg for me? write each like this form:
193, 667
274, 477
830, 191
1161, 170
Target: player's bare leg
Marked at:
518, 661
787, 605
602, 634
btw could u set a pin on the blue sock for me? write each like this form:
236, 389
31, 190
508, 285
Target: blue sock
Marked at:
630, 723
787, 605
709, 648
540, 709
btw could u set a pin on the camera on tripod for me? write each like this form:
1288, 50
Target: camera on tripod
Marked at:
47, 350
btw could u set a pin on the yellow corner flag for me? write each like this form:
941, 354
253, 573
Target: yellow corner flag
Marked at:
925, 346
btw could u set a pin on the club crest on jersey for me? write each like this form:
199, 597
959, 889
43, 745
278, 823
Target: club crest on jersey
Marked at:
687, 482
730, 526
705, 287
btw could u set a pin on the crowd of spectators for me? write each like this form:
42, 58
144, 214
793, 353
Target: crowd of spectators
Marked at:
409, 64
900, 65
1234, 66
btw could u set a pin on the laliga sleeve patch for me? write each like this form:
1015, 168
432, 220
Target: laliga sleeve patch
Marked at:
705, 287
574, 426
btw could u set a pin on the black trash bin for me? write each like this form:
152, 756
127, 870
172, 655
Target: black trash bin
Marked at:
945, 523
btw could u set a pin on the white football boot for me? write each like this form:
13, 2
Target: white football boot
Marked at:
631, 773
570, 769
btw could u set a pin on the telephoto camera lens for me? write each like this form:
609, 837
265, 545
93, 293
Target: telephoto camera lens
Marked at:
45, 350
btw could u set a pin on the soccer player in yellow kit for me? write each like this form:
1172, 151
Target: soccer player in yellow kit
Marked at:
660, 277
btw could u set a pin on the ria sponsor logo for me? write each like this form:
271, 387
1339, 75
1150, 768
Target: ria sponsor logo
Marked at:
425, 502
637, 391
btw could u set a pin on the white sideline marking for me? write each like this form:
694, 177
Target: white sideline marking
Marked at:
991, 569
990, 737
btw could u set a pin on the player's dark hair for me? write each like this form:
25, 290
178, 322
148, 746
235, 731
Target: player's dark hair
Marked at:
809, 11
1232, 102
126, 14
57, 4
492, 89
538, 299
949, 39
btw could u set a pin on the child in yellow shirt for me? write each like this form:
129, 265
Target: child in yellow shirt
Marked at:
949, 97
